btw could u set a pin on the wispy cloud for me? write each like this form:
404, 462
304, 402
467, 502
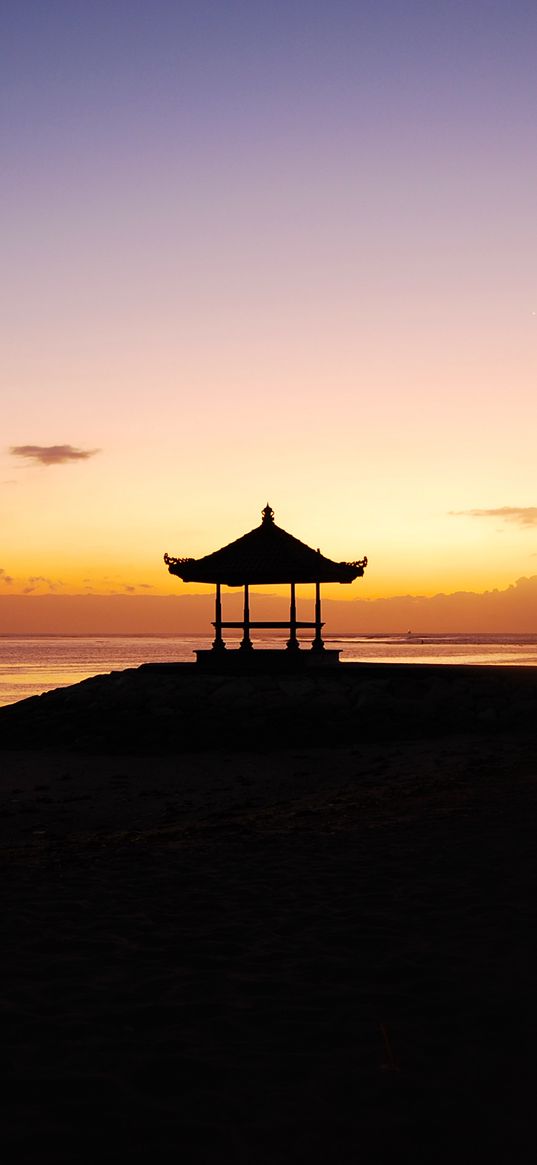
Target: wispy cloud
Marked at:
52, 454
36, 580
5, 578
519, 515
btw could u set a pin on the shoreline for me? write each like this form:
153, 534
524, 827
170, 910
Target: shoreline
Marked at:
270, 948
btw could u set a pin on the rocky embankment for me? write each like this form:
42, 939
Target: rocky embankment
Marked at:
261, 953
164, 708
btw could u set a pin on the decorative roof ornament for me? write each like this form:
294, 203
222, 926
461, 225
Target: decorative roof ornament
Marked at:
267, 514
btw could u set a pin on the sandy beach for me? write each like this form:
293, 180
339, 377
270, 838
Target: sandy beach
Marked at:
293, 926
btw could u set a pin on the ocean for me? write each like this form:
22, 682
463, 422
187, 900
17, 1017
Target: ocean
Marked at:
30, 665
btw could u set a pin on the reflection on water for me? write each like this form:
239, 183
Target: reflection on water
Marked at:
33, 664
490, 649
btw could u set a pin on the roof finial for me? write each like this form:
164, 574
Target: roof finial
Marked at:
267, 514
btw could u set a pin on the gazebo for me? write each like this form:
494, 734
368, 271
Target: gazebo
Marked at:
265, 556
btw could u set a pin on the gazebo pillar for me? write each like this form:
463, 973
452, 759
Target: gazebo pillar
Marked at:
292, 642
246, 644
318, 644
218, 643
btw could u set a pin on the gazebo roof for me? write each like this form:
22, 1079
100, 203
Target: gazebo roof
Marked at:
265, 555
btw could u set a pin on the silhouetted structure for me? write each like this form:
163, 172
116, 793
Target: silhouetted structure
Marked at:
267, 555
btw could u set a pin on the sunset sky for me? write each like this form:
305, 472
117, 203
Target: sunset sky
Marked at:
268, 251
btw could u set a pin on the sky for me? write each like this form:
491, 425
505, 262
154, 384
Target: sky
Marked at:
276, 252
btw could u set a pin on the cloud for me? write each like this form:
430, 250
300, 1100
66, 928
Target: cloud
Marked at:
5, 578
468, 613
36, 579
52, 454
520, 515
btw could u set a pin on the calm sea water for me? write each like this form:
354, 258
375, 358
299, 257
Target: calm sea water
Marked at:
33, 664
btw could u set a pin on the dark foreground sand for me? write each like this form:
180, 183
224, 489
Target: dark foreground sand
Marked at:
265, 953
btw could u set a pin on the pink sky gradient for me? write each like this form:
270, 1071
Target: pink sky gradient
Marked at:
279, 253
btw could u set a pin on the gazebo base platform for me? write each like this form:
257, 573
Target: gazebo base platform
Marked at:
237, 662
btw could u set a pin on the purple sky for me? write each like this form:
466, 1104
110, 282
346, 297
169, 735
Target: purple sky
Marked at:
278, 250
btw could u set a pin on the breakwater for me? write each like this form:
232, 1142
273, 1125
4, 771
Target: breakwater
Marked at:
174, 708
